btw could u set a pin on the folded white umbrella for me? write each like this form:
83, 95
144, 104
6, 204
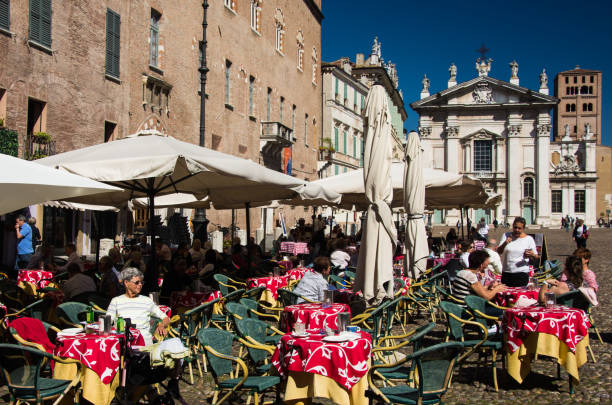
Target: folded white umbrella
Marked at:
24, 183
375, 266
414, 204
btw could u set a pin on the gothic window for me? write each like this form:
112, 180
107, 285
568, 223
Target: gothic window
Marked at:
255, 14
528, 187
228, 66
556, 201
280, 30
590, 107
584, 107
251, 91
281, 108
567, 108
579, 201
314, 66
584, 90
483, 156
590, 89
156, 94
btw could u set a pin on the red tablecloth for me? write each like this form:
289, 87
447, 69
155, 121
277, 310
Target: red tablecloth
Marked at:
442, 261
294, 248
272, 284
345, 362
313, 316
191, 299
508, 298
166, 310
34, 276
286, 264
570, 325
102, 354
297, 273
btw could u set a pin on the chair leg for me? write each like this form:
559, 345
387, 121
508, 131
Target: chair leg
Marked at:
256, 398
598, 335
592, 355
494, 354
204, 362
190, 372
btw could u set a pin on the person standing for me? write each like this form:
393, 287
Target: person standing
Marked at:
517, 251
483, 230
580, 234
35, 233
24, 242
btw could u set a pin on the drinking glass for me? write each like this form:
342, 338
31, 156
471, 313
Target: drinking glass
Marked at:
299, 328
328, 298
551, 300
343, 319
533, 284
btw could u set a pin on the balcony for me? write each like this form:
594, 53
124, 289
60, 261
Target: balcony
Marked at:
277, 133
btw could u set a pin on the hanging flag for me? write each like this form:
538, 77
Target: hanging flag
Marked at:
288, 159
282, 221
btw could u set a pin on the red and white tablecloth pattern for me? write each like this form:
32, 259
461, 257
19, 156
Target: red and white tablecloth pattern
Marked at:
272, 284
294, 248
442, 261
298, 273
508, 297
313, 316
100, 353
286, 264
344, 362
34, 276
569, 325
166, 310
191, 299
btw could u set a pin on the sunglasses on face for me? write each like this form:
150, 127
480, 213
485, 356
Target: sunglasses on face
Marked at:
139, 282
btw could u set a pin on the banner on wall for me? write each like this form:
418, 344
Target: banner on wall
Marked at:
282, 221
288, 160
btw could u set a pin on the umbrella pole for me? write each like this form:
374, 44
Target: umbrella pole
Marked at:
461, 215
331, 223
233, 229
151, 197
97, 237
247, 207
265, 228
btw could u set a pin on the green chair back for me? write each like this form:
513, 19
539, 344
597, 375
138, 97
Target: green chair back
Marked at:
338, 281
254, 293
237, 309
257, 330
475, 302
249, 303
71, 312
435, 366
350, 275
222, 279
37, 309
574, 299
455, 328
287, 297
221, 342
234, 296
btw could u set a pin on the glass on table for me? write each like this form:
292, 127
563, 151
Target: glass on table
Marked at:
551, 299
328, 298
533, 284
343, 320
299, 328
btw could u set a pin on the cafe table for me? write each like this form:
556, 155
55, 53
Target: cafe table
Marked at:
314, 367
559, 332
101, 357
272, 284
312, 315
510, 295
29, 279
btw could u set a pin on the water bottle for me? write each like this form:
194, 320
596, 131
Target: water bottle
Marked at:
90, 315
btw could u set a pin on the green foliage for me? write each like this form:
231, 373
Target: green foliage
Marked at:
41, 138
9, 142
1, 122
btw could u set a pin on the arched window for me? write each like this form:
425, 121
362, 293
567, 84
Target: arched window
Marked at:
567, 108
528, 187
573, 108
584, 107
280, 30
590, 106
584, 90
300, 50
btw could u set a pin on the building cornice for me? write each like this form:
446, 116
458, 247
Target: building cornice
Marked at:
381, 72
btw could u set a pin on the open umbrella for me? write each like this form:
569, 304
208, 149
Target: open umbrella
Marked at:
414, 204
24, 183
375, 266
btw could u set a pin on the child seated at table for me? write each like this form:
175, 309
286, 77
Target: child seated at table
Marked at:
313, 283
573, 276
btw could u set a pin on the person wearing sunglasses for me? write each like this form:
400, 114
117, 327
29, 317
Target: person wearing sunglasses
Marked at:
136, 307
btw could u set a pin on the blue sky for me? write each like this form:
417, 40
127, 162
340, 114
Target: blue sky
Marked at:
424, 37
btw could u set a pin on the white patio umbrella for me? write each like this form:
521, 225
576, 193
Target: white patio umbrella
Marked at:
375, 266
414, 204
24, 183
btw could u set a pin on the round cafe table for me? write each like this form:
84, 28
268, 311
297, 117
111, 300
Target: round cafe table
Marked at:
272, 284
100, 356
312, 315
558, 332
29, 279
316, 368
508, 297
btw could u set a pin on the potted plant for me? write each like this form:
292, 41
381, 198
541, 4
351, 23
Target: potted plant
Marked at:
42, 138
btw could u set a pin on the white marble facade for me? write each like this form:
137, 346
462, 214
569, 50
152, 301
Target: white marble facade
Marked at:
500, 132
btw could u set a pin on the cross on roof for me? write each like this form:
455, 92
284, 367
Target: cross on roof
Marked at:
483, 51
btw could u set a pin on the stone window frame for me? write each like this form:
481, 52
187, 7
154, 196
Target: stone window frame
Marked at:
255, 20
556, 206
279, 21
580, 201
156, 94
154, 41
230, 5
474, 155
528, 187
315, 60
300, 50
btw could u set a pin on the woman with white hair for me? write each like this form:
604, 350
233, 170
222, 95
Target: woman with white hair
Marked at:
136, 307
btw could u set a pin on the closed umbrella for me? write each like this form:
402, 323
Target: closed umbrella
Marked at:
375, 267
24, 183
414, 204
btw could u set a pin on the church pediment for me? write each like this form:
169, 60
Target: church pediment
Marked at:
481, 134
483, 91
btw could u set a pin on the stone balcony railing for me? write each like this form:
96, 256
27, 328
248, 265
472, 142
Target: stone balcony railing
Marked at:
272, 131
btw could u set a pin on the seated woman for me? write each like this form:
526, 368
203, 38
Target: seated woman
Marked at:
467, 283
339, 257
573, 279
136, 307
587, 275
313, 283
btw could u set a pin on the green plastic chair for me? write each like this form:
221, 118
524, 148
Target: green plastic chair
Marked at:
36, 310
227, 285
576, 299
457, 318
288, 297
71, 313
254, 307
21, 367
254, 293
434, 367
371, 321
253, 334
223, 321
218, 345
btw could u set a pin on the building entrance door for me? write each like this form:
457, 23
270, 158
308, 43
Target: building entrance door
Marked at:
528, 214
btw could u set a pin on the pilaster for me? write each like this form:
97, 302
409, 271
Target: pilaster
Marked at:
513, 171
451, 163
542, 151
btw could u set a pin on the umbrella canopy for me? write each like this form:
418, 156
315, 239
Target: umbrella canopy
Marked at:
176, 200
375, 266
414, 204
154, 165
24, 183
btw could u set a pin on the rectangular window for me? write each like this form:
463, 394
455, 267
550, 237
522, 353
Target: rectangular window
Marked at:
254, 15
362, 102
282, 105
361, 153
109, 131
575, 79
583, 79
5, 14
566, 80
269, 105
345, 91
355, 147
113, 42
336, 139
228, 76
40, 22
354, 99
251, 90
592, 79
337, 169
293, 118
482, 156
154, 38
306, 129
336, 88
556, 201
579, 201
344, 142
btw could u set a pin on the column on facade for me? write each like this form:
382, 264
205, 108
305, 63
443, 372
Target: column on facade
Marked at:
590, 202
467, 156
570, 197
513, 173
451, 163
542, 159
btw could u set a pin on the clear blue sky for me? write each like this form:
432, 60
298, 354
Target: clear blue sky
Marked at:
424, 37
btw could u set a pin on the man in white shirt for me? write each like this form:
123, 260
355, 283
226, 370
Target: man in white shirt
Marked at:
495, 264
339, 257
313, 283
483, 229
467, 247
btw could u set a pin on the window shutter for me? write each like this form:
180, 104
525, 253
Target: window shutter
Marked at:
5, 14
35, 20
113, 42
345, 139
45, 22
336, 146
